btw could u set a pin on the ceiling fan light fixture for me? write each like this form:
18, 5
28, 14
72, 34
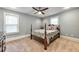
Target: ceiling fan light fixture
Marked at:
39, 12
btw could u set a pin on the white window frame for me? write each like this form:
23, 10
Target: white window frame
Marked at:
6, 13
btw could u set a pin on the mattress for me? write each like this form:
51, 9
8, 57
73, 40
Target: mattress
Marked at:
41, 33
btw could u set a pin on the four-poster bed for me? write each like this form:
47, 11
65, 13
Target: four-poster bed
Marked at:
45, 36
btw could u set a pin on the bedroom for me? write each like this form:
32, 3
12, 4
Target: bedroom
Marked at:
27, 19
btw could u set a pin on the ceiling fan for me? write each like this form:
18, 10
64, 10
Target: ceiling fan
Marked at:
40, 10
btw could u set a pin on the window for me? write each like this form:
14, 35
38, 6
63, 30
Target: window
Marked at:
11, 23
54, 21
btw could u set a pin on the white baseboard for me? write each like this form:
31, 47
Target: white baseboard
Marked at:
62, 36
70, 38
16, 38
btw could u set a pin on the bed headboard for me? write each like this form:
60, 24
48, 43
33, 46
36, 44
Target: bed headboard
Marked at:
53, 27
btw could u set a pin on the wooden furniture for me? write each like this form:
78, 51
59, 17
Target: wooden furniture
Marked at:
2, 42
44, 41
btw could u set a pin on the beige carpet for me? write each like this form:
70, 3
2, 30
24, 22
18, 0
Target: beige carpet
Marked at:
28, 45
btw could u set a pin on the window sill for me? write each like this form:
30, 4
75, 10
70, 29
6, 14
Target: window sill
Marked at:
12, 33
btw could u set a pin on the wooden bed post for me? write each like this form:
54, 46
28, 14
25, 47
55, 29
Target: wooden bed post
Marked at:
45, 39
31, 32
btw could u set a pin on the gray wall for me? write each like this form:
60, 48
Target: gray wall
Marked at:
69, 22
24, 22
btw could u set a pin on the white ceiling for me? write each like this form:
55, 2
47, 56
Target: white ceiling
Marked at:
30, 11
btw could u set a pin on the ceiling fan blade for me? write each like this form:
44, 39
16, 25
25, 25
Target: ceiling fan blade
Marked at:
44, 9
35, 12
35, 9
42, 12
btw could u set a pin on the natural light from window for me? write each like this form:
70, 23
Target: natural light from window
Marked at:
54, 20
11, 23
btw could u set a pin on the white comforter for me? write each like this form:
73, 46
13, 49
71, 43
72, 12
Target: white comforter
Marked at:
41, 33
